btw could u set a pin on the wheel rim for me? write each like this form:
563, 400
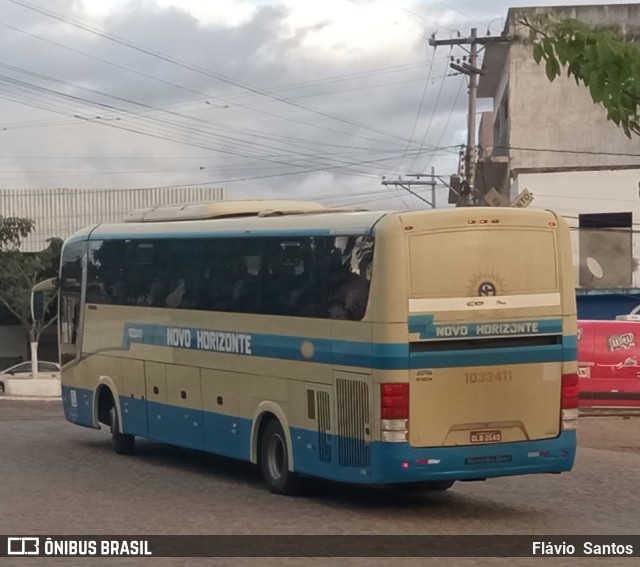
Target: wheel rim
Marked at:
276, 456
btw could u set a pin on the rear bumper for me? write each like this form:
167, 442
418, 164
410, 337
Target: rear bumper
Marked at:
399, 462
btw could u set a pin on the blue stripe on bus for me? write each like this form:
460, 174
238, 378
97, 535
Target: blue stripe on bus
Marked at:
331, 456
400, 462
425, 326
471, 462
383, 356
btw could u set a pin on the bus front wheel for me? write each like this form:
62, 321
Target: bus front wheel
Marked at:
123, 443
274, 460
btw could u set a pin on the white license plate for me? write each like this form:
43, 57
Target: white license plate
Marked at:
485, 436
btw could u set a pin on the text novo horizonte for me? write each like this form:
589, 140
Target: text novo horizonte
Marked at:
485, 329
217, 341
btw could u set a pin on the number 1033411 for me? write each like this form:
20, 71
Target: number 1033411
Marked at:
488, 376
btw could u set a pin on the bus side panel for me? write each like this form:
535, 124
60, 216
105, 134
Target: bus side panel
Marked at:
184, 410
133, 403
78, 405
156, 389
225, 432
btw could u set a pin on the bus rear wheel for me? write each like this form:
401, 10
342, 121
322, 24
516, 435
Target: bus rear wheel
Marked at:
274, 461
123, 443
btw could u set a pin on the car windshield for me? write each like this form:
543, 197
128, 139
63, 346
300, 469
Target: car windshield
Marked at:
22, 367
26, 367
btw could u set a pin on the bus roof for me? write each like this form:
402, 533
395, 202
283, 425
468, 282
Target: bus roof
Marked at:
256, 218
223, 209
327, 222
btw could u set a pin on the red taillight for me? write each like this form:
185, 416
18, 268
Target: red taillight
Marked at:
569, 391
395, 401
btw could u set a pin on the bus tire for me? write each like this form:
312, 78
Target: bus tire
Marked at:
123, 443
274, 460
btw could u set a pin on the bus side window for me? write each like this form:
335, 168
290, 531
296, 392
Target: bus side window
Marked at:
350, 277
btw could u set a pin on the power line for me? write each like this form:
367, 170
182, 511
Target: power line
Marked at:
286, 174
459, 12
415, 122
30, 86
433, 113
196, 69
208, 95
559, 151
396, 23
446, 125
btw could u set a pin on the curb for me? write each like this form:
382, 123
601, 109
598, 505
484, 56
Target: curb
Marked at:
30, 398
32, 387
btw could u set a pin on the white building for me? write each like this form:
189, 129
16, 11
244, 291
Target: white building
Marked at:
61, 212
550, 138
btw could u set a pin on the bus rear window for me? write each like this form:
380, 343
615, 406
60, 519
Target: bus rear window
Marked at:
456, 263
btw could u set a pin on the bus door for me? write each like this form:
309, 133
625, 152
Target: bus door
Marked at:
70, 300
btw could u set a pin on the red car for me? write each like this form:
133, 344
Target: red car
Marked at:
609, 363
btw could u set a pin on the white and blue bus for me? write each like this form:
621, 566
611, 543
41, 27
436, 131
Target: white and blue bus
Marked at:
364, 347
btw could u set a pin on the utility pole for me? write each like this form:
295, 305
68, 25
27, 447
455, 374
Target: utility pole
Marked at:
468, 194
406, 184
471, 119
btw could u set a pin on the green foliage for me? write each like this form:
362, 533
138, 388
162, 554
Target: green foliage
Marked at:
597, 58
19, 272
12, 231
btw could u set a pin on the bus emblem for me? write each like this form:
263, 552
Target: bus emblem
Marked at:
486, 289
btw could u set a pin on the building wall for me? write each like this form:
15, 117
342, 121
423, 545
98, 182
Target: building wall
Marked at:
559, 143
558, 121
572, 193
61, 212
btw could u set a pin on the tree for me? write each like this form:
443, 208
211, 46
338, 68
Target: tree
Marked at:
19, 272
598, 58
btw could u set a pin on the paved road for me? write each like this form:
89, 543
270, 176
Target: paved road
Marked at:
63, 479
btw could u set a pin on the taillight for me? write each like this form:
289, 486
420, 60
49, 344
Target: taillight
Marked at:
569, 402
394, 410
395, 401
569, 391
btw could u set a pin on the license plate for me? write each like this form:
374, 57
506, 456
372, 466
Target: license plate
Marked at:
485, 436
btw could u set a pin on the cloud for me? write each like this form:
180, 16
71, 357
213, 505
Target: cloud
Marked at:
265, 98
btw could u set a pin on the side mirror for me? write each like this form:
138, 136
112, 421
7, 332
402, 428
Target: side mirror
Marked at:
37, 306
38, 295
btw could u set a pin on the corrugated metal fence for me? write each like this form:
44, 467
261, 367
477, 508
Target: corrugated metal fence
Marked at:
61, 212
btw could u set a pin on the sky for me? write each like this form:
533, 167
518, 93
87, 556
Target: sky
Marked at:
268, 99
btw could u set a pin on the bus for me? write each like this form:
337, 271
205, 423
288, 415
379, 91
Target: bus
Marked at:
380, 348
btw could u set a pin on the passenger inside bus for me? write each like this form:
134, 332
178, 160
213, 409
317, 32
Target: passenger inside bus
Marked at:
349, 300
351, 282
175, 297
